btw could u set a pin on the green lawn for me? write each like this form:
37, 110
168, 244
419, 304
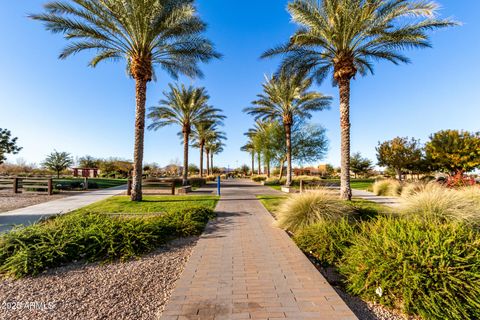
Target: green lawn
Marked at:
100, 183
362, 185
150, 204
271, 203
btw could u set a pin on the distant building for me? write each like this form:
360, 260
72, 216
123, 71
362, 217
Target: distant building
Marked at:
85, 172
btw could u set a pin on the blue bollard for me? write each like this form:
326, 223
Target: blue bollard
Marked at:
218, 185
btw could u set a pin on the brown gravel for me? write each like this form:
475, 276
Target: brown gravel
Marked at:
11, 201
133, 290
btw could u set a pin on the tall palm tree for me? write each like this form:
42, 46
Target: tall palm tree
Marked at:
250, 148
202, 133
345, 37
286, 98
216, 147
185, 107
146, 33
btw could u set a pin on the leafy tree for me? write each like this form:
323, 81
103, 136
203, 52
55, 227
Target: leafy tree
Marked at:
8, 145
286, 99
244, 169
193, 169
146, 33
186, 107
88, 162
359, 164
454, 151
115, 167
58, 161
399, 154
345, 37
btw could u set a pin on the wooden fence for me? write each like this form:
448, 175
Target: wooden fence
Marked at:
27, 185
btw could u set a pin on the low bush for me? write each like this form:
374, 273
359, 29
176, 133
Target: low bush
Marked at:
424, 268
272, 182
304, 209
388, 187
93, 237
197, 182
259, 178
443, 204
327, 241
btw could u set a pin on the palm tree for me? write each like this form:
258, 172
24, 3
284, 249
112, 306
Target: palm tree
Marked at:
250, 148
211, 140
286, 98
345, 37
202, 132
216, 147
185, 107
146, 33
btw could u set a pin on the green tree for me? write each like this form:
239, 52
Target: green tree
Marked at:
359, 164
185, 107
286, 99
215, 147
213, 141
193, 169
88, 162
249, 147
58, 162
8, 145
345, 37
146, 33
454, 151
399, 154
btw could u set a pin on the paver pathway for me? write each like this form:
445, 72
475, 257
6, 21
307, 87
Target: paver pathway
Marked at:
245, 268
33, 213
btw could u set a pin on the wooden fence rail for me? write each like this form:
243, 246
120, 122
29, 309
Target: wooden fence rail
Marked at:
154, 184
27, 185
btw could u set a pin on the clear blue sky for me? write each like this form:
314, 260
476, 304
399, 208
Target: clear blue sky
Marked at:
64, 105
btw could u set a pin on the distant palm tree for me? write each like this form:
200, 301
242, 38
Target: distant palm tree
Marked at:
185, 107
203, 132
286, 98
216, 147
144, 32
250, 148
345, 37
213, 145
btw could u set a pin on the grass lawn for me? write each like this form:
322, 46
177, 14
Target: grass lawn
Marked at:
150, 204
100, 182
271, 203
362, 185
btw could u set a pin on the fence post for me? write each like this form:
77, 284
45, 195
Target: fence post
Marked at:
50, 186
15, 185
129, 187
173, 187
301, 186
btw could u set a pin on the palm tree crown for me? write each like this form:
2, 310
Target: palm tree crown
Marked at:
145, 32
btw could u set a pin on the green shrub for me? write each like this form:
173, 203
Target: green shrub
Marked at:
326, 241
304, 209
93, 237
259, 178
272, 182
427, 269
388, 187
443, 204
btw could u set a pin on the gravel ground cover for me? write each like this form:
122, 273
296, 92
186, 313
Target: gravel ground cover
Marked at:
136, 289
11, 201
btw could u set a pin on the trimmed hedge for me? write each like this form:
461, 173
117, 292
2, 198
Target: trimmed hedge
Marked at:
93, 237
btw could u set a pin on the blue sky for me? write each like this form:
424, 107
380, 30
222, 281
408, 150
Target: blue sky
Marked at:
65, 105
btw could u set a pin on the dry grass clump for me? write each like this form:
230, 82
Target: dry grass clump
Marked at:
304, 209
412, 188
443, 204
388, 187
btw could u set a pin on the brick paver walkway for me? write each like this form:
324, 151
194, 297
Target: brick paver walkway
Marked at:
245, 268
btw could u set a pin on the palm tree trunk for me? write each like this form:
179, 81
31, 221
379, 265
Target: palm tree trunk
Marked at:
253, 163
211, 162
208, 161
345, 190
282, 163
268, 168
201, 160
141, 97
288, 136
259, 163
186, 134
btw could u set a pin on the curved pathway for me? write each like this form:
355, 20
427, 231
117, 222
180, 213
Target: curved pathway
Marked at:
245, 268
